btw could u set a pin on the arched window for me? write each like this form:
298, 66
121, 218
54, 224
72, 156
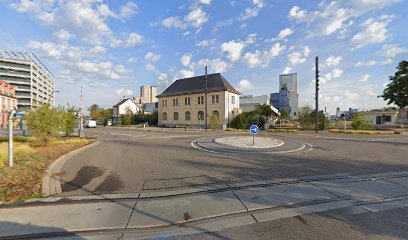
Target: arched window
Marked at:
216, 113
164, 116
188, 116
200, 115
176, 116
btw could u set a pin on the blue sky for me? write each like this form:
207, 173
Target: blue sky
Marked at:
114, 47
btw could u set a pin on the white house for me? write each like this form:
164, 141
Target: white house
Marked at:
121, 107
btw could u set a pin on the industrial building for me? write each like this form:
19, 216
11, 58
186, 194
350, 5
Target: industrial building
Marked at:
34, 83
287, 98
148, 94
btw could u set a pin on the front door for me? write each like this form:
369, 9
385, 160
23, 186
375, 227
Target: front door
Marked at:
378, 120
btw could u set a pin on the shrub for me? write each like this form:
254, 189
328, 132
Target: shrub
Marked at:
214, 121
70, 118
359, 123
45, 122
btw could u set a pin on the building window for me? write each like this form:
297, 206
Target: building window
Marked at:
165, 116
188, 117
164, 103
187, 101
176, 116
216, 113
387, 118
175, 102
233, 100
200, 100
200, 115
215, 99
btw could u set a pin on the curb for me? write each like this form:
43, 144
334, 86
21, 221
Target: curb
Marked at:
51, 185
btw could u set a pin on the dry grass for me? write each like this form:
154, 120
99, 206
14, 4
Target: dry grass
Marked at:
20, 149
23, 181
369, 132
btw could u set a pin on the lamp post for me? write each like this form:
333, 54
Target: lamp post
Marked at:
10, 140
206, 91
81, 119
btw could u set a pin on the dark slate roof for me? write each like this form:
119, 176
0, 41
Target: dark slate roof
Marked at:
216, 82
121, 102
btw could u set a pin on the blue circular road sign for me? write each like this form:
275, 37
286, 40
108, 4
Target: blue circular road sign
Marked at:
254, 129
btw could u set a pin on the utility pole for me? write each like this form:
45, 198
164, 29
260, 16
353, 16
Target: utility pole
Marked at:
10, 143
206, 89
81, 118
317, 94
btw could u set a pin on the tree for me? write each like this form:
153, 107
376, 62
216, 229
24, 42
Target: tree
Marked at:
265, 111
396, 91
359, 123
304, 117
70, 118
214, 121
127, 117
45, 122
284, 114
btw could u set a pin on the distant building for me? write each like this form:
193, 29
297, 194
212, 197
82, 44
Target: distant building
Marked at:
121, 107
249, 103
148, 94
380, 117
8, 102
183, 102
149, 108
287, 98
33, 81
345, 114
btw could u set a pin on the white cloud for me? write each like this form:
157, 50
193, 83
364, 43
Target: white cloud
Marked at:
183, 73
259, 3
196, 18
296, 58
251, 38
374, 32
335, 73
333, 60
206, 43
335, 16
97, 50
244, 85
371, 63
150, 67
233, 49
214, 65
152, 57
284, 33
262, 59
162, 80
128, 10
186, 59
124, 92
132, 60
249, 13
365, 77
392, 50
287, 70
63, 35
132, 40
352, 96
206, 2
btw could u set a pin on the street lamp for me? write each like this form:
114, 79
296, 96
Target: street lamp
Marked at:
10, 140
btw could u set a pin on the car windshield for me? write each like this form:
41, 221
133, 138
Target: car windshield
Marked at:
203, 119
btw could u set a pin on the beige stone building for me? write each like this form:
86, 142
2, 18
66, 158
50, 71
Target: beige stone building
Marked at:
183, 102
148, 94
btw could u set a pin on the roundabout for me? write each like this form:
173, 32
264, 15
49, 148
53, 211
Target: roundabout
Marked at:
247, 145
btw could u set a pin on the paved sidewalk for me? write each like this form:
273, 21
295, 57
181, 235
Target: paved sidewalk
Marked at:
203, 209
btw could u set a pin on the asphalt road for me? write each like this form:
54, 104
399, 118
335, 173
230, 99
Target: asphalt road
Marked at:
336, 224
133, 160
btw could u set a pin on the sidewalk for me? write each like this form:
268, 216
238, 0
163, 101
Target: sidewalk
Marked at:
202, 209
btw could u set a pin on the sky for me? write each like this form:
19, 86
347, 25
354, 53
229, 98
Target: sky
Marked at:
111, 48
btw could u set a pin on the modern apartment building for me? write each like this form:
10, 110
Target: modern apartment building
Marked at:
33, 81
183, 102
148, 94
8, 102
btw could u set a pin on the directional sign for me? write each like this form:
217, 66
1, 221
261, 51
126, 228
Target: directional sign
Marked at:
254, 129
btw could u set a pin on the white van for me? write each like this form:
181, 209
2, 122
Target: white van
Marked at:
90, 124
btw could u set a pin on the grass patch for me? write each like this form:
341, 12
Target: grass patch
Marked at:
285, 130
24, 180
369, 132
15, 139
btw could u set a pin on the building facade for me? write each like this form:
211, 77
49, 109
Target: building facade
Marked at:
8, 102
287, 98
249, 103
381, 118
183, 102
33, 81
122, 107
148, 94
